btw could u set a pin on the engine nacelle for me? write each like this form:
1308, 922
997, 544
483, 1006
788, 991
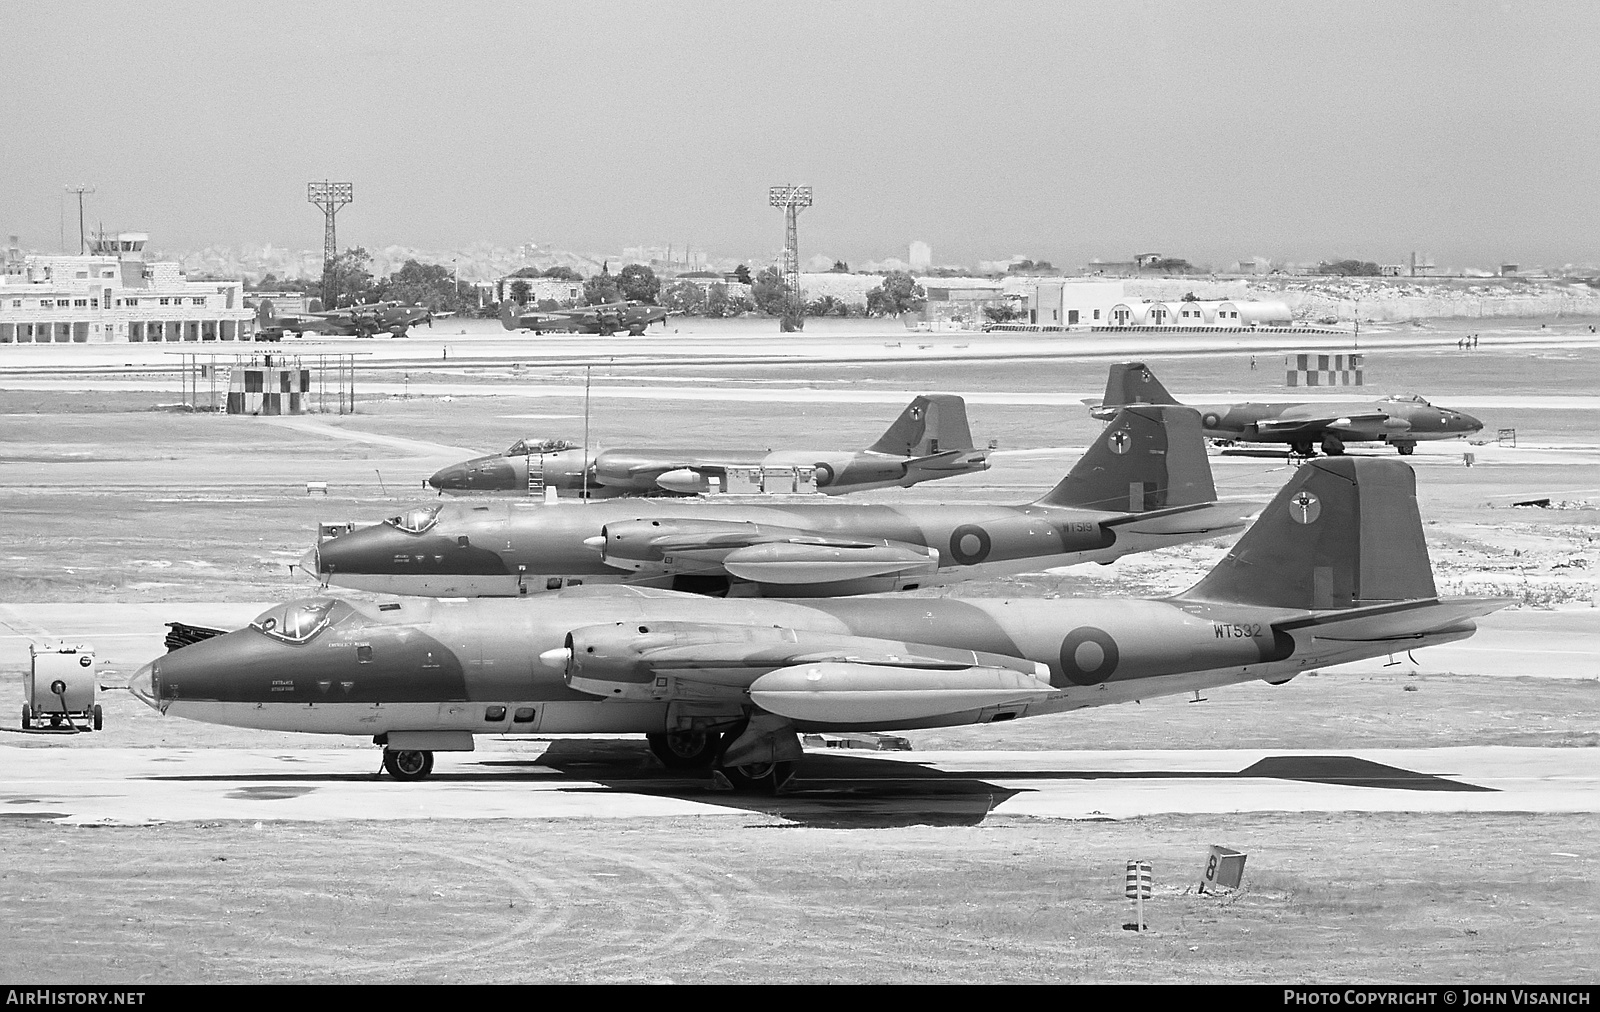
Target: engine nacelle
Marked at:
679, 546
845, 693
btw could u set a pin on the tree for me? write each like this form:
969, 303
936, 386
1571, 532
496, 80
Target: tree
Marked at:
639, 283
792, 312
688, 298
1002, 314
716, 303
419, 284
1350, 268
827, 306
839, 267
741, 273
520, 290
768, 291
562, 274
346, 280
601, 288
899, 293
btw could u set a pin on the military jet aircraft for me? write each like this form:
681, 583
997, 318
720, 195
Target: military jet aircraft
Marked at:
929, 440
1334, 570
606, 319
1144, 484
1402, 421
353, 321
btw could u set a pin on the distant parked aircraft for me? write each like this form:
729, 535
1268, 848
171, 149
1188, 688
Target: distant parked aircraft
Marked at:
1402, 421
606, 319
353, 321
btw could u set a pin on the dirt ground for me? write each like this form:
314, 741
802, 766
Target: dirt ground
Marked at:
1404, 899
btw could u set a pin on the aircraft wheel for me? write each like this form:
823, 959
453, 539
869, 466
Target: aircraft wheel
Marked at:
97, 716
1406, 449
1302, 449
1332, 446
636, 331
686, 750
764, 778
27, 716
407, 764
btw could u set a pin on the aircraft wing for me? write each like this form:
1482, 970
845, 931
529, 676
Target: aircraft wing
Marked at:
1402, 621
1336, 423
795, 673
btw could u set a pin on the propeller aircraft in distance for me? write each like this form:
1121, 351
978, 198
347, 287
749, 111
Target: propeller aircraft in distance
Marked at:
1144, 484
1402, 421
929, 440
605, 319
1335, 569
353, 321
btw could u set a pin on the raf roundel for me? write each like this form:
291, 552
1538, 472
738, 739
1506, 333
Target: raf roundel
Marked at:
1304, 508
1088, 656
969, 544
1210, 420
1120, 441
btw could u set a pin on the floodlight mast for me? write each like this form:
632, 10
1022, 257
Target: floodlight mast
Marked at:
791, 199
330, 197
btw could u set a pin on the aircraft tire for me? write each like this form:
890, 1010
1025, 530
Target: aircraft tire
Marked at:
407, 764
762, 778
97, 716
1302, 449
686, 750
1332, 446
1406, 449
27, 717
636, 331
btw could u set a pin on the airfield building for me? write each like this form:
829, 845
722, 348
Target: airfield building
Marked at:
112, 294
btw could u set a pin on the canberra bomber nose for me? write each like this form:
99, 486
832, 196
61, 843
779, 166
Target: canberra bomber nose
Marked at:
480, 474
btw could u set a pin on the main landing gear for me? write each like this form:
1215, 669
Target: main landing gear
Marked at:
686, 750
407, 763
1406, 449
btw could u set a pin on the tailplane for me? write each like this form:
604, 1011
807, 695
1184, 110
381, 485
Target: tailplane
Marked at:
932, 423
1343, 533
1150, 457
1134, 383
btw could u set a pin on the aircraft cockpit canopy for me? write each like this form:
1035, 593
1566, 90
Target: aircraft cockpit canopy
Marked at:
297, 621
1407, 399
418, 520
528, 447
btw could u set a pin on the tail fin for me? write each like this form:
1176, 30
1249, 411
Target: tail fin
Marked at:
1343, 533
1150, 457
264, 315
1134, 383
931, 423
314, 306
508, 314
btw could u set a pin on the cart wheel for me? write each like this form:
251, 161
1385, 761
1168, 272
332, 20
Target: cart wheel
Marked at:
97, 716
27, 716
55, 720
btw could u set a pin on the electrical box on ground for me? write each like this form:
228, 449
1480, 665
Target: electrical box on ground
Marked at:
59, 689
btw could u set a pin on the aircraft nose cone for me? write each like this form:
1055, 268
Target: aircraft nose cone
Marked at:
494, 474
1468, 423
143, 686
450, 478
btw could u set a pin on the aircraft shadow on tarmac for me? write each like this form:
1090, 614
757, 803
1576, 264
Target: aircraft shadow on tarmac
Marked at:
836, 790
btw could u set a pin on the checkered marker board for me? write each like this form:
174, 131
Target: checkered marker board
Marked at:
1140, 882
1324, 371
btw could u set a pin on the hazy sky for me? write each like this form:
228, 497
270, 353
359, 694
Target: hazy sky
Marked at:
1058, 130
